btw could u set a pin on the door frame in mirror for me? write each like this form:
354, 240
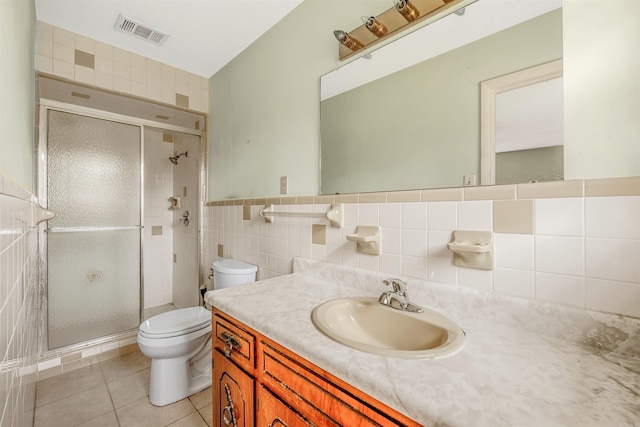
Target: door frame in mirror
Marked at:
488, 91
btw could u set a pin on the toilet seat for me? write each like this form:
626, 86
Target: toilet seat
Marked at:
175, 323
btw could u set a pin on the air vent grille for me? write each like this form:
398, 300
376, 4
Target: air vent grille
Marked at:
131, 26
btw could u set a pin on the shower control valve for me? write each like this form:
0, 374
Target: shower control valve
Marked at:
185, 218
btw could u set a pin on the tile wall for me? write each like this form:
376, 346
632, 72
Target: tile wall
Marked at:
575, 243
73, 57
158, 218
19, 305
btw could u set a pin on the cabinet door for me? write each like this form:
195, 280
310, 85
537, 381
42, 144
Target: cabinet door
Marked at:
233, 394
273, 413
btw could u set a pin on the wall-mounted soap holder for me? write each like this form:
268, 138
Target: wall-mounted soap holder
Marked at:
472, 249
174, 202
368, 239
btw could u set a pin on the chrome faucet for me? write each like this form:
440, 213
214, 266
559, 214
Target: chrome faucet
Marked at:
398, 298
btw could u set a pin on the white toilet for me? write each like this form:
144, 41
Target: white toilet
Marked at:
179, 342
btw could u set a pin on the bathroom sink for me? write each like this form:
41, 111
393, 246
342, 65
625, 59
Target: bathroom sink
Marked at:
365, 324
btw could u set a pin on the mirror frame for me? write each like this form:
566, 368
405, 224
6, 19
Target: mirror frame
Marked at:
489, 89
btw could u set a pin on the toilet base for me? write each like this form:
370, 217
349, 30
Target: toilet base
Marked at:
180, 377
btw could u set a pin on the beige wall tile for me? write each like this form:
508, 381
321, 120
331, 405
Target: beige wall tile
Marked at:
545, 190
121, 56
629, 186
104, 80
104, 65
103, 50
346, 198
490, 192
513, 216
84, 44
84, 75
246, 212
305, 200
44, 64
63, 53
63, 69
318, 234
443, 195
404, 196
156, 230
182, 100
63, 37
373, 198
45, 47
324, 199
138, 75
121, 84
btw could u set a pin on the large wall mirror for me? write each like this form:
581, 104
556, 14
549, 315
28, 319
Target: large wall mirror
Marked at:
411, 119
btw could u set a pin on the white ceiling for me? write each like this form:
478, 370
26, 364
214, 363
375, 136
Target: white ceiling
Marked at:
204, 35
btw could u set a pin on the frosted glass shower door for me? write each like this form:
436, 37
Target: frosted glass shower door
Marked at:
93, 243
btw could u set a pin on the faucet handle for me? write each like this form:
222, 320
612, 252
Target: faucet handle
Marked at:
398, 285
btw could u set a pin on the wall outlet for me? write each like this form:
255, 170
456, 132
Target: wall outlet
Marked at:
469, 180
284, 185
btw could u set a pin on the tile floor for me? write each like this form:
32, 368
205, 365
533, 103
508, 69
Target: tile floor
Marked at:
114, 393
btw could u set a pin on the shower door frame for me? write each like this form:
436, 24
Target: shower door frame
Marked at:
41, 172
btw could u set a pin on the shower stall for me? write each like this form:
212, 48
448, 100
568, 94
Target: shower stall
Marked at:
119, 245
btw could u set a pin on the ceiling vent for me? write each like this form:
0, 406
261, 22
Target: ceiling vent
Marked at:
131, 26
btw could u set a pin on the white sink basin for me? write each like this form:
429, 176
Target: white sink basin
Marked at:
365, 324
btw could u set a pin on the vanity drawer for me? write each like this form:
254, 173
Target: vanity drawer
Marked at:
234, 341
319, 396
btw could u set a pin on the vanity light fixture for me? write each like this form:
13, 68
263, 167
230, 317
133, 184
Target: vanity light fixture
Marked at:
347, 40
407, 10
393, 23
375, 26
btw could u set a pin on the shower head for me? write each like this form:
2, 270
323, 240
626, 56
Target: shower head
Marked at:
174, 159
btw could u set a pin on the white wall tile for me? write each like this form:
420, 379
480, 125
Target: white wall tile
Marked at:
442, 215
442, 272
414, 243
613, 217
475, 215
551, 265
560, 289
414, 216
613, 297
391, 264
559, 217
437, 245
481, 280
391, 215
414, 267
369, 262
514, 251
613, 259
368, 214
518, 283
391, 241
561, 255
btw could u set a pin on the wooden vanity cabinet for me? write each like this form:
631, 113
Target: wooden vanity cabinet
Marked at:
282, 388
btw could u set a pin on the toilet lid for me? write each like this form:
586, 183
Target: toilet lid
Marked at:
176, 322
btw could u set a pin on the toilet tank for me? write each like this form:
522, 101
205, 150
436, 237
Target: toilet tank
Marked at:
231, 272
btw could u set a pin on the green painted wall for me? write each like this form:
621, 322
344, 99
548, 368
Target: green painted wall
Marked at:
17, 90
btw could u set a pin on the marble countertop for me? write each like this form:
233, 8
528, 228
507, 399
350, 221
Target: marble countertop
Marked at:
524, 363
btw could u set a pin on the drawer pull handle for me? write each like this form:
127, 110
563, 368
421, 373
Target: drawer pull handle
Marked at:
229, 412
230, 342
